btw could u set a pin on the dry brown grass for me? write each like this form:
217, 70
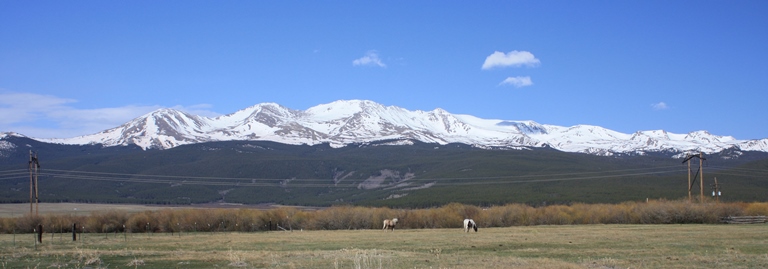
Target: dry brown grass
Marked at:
570, 246
138, 219
16, 210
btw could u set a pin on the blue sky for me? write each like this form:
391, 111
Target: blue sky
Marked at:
71, 68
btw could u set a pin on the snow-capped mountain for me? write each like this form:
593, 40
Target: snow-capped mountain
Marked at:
358, 121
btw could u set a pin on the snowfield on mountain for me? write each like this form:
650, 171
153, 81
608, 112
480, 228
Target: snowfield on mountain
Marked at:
359, 121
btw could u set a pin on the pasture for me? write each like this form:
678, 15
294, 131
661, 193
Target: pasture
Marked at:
15, 210
546, 246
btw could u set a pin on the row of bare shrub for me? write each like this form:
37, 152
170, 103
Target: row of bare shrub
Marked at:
353, 217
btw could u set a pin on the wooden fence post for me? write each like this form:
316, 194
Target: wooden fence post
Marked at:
40, 233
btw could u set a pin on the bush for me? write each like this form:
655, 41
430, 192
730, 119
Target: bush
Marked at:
756, 209
355, 217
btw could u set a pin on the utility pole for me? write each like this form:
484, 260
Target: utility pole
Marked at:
689, 177
31, 182
33, 189
699, 172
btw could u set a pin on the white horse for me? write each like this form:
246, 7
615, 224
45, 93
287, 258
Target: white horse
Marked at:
469, 223
390, 224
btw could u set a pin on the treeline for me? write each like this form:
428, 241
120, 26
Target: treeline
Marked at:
355, 217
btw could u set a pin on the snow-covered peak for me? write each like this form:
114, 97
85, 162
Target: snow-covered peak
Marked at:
706, 136
526, 127
242, 114
361, 121
343, 109
9, 134
653, 135
754, 145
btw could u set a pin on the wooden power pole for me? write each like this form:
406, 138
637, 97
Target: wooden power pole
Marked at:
700, 172
33, 189
716, 191
701, 176
689, 177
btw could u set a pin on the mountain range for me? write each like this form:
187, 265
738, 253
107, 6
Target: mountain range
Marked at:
347, 122
361, 152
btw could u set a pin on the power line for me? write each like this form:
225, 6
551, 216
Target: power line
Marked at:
314, 182
741, 169
324, 183
157, 178
324, 179
20, 174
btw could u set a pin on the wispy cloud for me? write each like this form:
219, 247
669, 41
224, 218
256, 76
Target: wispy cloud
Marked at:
48, 116
517, 81
20, 107
513, 58
199, 109
370, 58
659, 106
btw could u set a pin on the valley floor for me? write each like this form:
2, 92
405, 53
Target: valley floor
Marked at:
572, 246
17, 210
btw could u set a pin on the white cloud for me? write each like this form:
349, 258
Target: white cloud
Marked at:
517, 81
47, 116
659, 106
18, 107
513, 58
370, 58
200, 110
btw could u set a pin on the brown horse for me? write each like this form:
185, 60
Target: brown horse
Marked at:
390, 224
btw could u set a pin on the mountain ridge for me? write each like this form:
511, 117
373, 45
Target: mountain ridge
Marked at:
406, 173
345, 122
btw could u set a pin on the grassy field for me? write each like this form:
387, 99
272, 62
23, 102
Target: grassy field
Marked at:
15, 210
575, 246
84, 209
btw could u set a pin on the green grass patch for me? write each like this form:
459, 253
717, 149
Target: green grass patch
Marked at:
570, 246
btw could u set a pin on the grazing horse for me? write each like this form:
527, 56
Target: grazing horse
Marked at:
390, 224
469, 223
